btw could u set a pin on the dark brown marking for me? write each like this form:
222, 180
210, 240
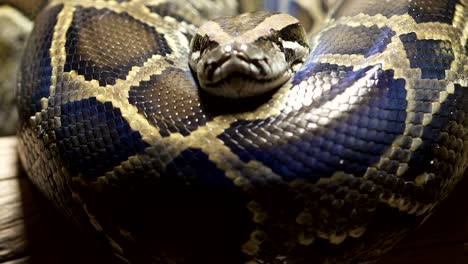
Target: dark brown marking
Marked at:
366, 41
98, 51
432, 56
169, 101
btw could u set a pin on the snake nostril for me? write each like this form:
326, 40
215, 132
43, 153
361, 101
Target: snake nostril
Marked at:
235, 50
228, 48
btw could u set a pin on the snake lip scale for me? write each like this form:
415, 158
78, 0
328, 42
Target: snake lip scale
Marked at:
335, 165
241, 84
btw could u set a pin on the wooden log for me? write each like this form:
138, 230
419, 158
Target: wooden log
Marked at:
31, 231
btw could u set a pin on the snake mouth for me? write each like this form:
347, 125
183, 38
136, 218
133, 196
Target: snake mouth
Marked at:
236, 75
241, 85
231, 64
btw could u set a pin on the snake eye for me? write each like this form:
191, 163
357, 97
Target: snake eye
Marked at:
197, 42
268, 40
202, 44
211, 45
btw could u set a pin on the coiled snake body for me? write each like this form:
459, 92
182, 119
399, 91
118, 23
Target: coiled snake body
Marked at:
334, 166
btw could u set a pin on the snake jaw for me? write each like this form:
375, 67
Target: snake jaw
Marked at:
237, 70
235, 73
239, 85
235, 63
242, 70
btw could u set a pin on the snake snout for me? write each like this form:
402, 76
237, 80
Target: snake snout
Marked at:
233, 58
239, 69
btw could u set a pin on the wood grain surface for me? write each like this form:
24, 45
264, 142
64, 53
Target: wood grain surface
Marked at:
31, 232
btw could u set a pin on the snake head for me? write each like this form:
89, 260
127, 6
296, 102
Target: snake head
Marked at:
247, 55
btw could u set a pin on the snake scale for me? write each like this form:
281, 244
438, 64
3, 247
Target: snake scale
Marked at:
334, 166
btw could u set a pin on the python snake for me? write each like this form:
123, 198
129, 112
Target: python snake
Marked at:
334, 166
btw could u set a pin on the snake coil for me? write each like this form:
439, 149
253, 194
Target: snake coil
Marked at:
333, 167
